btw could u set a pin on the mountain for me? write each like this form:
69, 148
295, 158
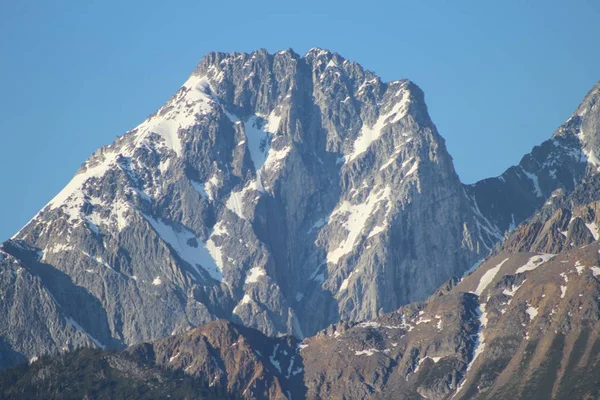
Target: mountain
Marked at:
281, 192
285, 194
523, 325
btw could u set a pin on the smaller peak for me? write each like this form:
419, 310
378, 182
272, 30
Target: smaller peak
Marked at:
287, 52
317, 52
591, 99
261, 52
410, 85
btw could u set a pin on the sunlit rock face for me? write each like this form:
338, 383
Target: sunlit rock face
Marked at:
279, 191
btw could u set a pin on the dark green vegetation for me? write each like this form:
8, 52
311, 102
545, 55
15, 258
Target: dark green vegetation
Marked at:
93, 374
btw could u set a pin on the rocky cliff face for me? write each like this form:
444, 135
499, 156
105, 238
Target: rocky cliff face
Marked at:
281, 192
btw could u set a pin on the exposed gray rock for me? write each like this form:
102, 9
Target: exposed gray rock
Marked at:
278, 191
281, 192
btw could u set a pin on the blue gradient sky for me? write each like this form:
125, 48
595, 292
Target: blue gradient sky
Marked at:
499, 77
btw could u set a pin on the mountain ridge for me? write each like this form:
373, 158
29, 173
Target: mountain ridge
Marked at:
281, 192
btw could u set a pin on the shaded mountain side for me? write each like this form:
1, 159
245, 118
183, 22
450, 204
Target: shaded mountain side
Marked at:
217, 360
94, 374
565, 221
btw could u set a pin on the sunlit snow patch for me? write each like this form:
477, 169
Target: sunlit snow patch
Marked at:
488, 277
179, 113
190, 248
356, 217
534, 262
253, 274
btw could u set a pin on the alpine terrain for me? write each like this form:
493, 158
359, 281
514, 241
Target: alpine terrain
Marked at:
313, 214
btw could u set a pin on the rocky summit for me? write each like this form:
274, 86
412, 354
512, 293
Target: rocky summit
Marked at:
281, 192
300, 197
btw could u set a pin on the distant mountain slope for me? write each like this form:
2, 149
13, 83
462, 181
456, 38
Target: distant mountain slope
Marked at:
522, 326
93, 374
561, 162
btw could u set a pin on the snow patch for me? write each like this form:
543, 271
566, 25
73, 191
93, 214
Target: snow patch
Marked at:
536, 184
200, 188
532, 312
235, 202
188, 247
274, 362
377, 230
512, 291
253, 274
370, 324
180, 113
580, 268
479, 346
534, 262
211, 186
174, 357
258, 140
318, 224
75, 325
368, 352
356, 217
488, 277
412, 169
344, 284
275, 158
593, 228
245, 300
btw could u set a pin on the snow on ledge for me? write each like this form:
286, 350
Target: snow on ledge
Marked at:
189, 247
368, 135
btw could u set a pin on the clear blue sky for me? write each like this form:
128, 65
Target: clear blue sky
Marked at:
499, 76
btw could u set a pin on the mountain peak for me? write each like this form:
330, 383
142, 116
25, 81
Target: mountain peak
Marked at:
590, 100
267, 187
317, 52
